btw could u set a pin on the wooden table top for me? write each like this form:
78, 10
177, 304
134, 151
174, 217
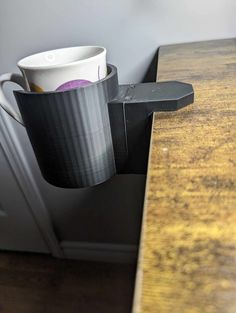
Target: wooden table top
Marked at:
187, 258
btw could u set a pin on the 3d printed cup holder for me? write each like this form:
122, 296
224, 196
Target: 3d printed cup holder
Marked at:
84, 136
70, 132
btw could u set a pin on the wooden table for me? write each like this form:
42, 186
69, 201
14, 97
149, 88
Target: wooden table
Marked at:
187, 258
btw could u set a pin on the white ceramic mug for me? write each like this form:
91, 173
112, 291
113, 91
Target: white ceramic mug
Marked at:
56, 70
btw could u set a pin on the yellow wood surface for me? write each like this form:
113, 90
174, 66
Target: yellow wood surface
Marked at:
187, 258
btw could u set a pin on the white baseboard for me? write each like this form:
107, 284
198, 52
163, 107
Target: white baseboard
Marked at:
102, 252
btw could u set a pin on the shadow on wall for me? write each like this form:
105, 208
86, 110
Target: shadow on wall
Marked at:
151, 73
107, 213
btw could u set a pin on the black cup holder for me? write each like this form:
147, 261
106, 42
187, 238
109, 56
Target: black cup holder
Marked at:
84, 136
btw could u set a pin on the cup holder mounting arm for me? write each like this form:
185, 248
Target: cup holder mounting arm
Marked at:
131, 119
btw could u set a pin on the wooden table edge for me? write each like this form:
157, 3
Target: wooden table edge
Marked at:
138, 289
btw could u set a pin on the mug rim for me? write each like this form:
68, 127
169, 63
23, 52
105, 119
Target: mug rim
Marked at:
66, 64
110, 67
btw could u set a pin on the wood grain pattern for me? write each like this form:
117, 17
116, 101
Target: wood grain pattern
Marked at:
187, 260
34, 283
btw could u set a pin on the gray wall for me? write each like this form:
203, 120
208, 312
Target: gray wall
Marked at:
131, 30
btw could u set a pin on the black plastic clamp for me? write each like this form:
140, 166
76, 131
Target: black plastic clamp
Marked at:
131, 119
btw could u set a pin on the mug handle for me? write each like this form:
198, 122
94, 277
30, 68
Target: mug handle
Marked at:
4, 103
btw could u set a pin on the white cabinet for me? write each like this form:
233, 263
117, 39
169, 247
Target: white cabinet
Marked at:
18, 229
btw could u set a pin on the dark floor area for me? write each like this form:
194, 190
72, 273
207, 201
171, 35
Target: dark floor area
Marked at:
31, 283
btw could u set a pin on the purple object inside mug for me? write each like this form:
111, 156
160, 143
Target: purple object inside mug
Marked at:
74, 84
